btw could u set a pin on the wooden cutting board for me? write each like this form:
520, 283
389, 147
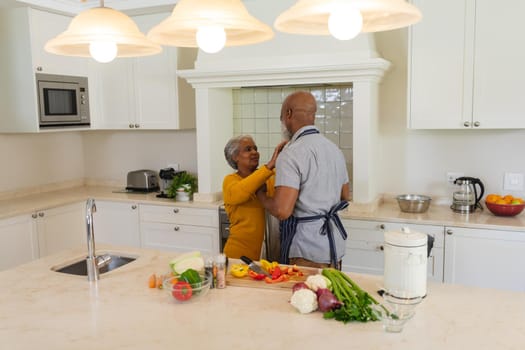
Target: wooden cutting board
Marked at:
247, 281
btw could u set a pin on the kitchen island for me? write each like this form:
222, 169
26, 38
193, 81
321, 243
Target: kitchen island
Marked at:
43, 309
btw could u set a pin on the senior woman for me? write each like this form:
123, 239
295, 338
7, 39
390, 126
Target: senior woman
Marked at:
245, 212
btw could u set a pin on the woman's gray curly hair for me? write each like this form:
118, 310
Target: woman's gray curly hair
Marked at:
232, 149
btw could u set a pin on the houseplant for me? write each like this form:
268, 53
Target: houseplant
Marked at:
182, 187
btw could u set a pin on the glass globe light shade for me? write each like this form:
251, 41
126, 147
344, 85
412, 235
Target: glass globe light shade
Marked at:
103, 51
211, 39
345, 23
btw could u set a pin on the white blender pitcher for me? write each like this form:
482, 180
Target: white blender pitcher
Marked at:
405, 274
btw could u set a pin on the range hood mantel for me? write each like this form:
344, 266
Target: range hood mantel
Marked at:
370, 70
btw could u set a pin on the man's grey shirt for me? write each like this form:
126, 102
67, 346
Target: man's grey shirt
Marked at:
316, 167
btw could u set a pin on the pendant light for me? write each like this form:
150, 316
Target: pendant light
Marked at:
345, 19
210, 25
102, 33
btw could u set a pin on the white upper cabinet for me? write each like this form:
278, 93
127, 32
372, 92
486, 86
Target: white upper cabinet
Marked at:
43, 27
499, 55
142, 92
465, 65
22, 38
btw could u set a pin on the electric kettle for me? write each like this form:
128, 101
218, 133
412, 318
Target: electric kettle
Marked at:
466, 198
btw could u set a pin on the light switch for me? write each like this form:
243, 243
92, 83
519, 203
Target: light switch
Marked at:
513, 182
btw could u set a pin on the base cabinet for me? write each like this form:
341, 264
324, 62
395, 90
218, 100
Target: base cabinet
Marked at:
365, 246
117, 223
18, 241
179, 229
485, 258
60, 228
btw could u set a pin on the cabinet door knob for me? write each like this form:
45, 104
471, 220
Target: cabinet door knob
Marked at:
137, 126
39, 68
133, 207
176, 210
41, 214
131, 126
382, 226
477, 124
176, 228
449, 232
34, 216
466, 124
381, 248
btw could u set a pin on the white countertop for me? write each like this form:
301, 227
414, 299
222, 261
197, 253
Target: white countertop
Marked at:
24, 204
437, 215
386, 211
41, 309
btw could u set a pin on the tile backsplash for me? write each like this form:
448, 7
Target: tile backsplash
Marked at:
256, 112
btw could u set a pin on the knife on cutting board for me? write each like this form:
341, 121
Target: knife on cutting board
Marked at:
252, 265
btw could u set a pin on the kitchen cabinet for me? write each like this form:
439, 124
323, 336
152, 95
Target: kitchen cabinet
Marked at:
60, 228
140, 93
485, 258
179, 228
468, 73
18, 241
365, 244
22, 38
117, 223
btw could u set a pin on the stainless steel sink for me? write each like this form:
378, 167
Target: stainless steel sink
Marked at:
80, 267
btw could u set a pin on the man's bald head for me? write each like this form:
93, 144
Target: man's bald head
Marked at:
298, 110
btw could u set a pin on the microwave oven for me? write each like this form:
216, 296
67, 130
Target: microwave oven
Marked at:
62, 100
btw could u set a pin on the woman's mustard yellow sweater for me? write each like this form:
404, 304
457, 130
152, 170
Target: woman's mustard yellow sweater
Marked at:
245, 212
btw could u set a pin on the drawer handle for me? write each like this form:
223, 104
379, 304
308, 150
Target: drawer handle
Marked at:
449, 232
133, 207
382, 226
176, 228
176, 210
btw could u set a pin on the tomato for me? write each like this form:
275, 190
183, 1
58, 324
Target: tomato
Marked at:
182, 291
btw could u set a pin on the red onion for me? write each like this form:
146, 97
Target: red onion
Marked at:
299, 285
321, 291
327, 300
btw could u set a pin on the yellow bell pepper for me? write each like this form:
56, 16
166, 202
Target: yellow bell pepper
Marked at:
239, 270
266, 265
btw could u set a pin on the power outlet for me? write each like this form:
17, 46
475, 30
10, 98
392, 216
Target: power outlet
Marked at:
453, 176
513, 182
175, 166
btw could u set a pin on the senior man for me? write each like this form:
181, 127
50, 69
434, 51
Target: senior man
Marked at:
311, 186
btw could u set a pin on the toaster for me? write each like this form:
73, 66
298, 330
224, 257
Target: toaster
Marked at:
142, 180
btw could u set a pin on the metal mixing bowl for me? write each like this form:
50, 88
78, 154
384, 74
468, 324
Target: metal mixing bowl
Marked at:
413, 203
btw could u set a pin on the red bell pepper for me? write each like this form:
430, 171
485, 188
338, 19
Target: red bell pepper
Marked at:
276, 273
182, 291
255, 275
281, 278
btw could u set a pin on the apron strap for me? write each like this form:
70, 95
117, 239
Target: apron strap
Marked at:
288, 229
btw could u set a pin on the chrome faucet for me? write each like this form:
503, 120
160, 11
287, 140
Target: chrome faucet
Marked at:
93, 262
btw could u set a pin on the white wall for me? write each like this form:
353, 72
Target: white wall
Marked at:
109, 155
416, 161
31, 160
